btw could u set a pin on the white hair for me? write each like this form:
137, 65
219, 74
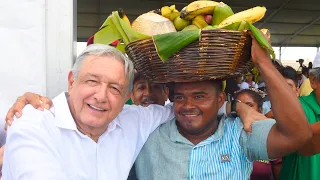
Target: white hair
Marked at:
315, 72
105, 50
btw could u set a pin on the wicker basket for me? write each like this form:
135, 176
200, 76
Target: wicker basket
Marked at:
219, 54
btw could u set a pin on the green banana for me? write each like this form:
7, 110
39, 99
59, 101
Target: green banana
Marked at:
220, 13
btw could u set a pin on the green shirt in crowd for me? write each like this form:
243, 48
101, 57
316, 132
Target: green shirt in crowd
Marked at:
129, 102
298, 167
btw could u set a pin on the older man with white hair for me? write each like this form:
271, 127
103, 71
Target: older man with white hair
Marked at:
305, 163
88, 133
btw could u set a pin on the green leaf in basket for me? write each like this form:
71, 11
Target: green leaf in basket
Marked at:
170, 43
107, 34
261, 39
132, 34
115, 28
121, 47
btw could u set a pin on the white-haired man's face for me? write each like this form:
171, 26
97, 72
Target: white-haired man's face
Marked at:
99, 93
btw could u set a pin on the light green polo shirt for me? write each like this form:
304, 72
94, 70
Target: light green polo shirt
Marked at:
298, 167
227, 154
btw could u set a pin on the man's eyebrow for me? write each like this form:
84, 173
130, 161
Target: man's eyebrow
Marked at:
200, 92
91, 75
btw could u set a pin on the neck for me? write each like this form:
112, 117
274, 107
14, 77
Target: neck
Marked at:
197, 137
92, 132
317, 93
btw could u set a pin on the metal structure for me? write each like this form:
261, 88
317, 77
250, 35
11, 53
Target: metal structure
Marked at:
291, 22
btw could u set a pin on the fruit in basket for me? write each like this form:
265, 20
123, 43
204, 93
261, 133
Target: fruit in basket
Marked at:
123, 16
199, 21
190, 27
221, 12
198, 8
208, 18
169, 12
180, 23
251, 15
153, 24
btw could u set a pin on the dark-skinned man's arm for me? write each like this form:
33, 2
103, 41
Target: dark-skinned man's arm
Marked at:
292, 129
312, 147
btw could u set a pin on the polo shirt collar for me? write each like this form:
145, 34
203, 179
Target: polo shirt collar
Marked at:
64, 118
175, 135
312, 102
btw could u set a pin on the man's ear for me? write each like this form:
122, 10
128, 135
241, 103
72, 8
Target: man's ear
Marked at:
70, 80
221, 99
166, 92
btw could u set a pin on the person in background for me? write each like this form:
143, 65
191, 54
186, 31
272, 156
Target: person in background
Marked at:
304, 164
291, 77
262, 170
305, 88
231, 87
239, 80
145, 93
249, 83
301, 76
3, 136
305, 72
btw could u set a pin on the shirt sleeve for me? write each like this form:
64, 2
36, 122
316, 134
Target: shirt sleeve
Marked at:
30, 151
255, 144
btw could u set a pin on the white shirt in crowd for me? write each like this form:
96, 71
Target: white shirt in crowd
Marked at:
3, 133
47, 145
245, 85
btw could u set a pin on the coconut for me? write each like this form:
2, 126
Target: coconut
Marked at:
153, 24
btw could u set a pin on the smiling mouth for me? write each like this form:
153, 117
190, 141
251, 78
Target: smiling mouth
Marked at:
149, 102
96, 108
190, 115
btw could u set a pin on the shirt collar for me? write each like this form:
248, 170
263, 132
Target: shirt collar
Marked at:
175, 135
64, 118
312, 102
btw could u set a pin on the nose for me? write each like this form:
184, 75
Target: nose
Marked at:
101, 93
147, 90
188, 104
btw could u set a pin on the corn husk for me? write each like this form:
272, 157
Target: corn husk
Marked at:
170, 43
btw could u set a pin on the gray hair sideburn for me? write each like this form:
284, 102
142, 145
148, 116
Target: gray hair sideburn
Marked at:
105, 50
315, 72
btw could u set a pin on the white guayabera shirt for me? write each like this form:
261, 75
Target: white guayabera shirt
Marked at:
47, 145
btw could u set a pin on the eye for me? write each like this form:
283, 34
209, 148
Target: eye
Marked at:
92, 82
141, 87
114, 90
199, 96
178, 97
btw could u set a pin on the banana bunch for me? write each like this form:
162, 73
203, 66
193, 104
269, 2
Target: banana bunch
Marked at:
207, 14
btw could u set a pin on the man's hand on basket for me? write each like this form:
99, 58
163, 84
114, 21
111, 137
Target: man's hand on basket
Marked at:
259, 55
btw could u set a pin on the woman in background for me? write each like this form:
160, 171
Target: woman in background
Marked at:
262, 170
